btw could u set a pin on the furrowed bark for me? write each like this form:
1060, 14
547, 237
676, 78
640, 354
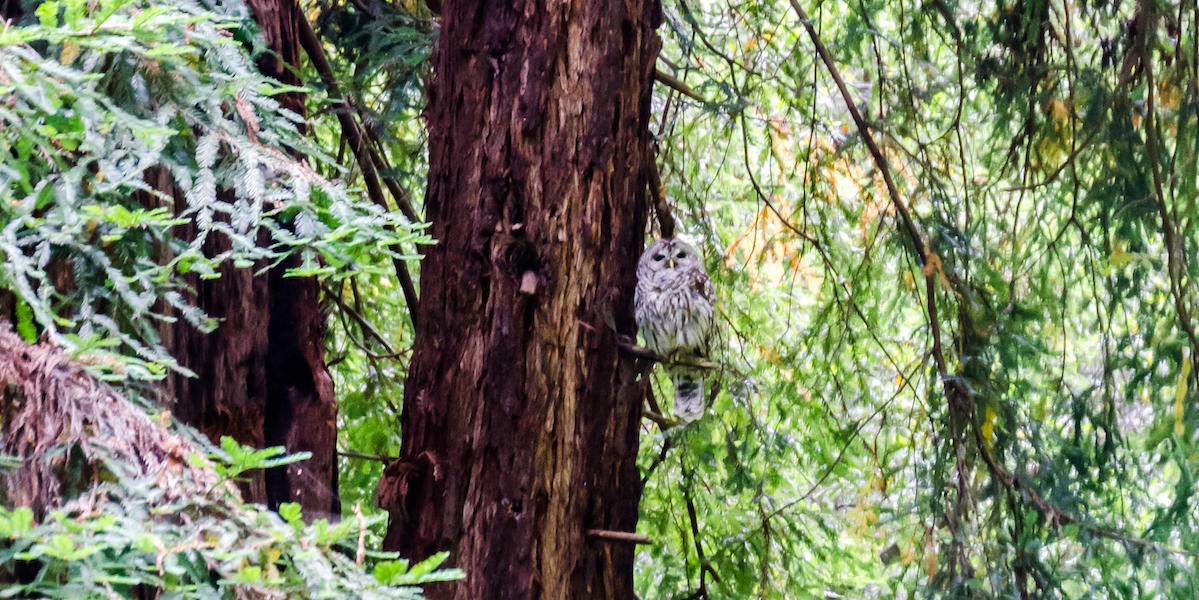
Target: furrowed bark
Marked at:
520, 413
262, 377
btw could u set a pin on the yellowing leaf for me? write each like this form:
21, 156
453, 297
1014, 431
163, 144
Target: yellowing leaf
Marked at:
880, 205
1119, 256
1058, 110
930, 557
989, 425
70, 50
780, 144
770, 354
933, 265
1167, 94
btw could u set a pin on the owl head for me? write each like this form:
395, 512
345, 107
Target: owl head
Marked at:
666, 255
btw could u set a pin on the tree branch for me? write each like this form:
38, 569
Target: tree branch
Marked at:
366, 325
705, 568
666, 222
619, 536
664, 422
879, 160
363, 153
677, 85
382, 459
1175, 246
643, 352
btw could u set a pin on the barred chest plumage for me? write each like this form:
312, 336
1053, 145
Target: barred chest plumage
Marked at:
674, 312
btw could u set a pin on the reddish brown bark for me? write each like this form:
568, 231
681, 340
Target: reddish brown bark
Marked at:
520, 416
261, 375
228, 394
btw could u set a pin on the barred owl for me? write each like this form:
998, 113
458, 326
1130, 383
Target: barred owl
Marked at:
674, 311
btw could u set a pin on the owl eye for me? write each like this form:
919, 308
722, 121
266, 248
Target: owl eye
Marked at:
682, 254
659, 256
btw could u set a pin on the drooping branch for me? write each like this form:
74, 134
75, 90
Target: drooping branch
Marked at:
957, 395
1175, 244
864, 130
953, 388
364, 153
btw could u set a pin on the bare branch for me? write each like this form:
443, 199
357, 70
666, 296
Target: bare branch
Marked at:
664, 422
677, 85
366, 324
666, 222
643, 352
619, 536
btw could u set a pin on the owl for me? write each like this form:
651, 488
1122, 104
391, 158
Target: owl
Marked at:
673, 306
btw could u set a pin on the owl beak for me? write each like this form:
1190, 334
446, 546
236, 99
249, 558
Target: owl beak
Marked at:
672, 262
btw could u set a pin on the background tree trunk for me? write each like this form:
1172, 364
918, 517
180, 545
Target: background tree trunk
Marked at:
262, 374
520, 416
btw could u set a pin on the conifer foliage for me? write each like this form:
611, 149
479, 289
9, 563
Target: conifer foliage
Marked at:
101, 99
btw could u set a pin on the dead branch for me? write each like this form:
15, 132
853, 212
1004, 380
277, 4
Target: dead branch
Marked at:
619, 536
48, 403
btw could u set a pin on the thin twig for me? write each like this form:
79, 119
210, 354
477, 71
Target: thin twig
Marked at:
666, 446
366, 325
375, 457
705, 567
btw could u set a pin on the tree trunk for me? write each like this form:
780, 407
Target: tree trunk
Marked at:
520, 415
262, 374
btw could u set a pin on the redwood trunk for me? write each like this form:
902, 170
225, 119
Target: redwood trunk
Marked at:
262, 377
520, 415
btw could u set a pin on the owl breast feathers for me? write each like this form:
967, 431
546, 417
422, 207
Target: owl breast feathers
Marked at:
674, 311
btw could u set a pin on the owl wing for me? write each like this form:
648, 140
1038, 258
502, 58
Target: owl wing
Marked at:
705, 318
